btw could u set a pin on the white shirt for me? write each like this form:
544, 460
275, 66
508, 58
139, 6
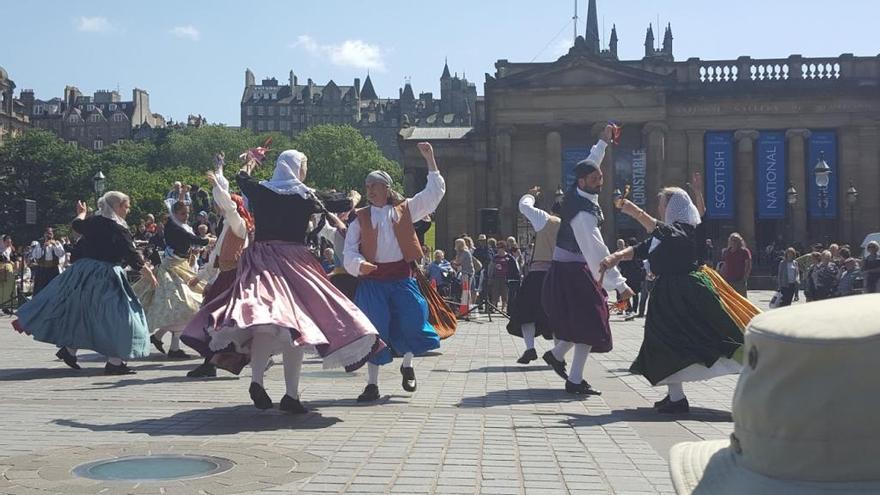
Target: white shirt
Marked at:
336, 237
538, 218
387, 248
232, 222
54, 252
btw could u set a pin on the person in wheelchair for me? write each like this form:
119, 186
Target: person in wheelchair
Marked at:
441, 273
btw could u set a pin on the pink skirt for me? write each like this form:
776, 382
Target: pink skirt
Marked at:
281, 287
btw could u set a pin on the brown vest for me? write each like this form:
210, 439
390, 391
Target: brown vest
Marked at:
230, 252
403, 230
545, 240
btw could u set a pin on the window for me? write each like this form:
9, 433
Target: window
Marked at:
283, 111
119, 117
270, 125
73, 143
271, 111
249, 124
260, 111
72, 119
260, 125
95, 117
249, 110
89, 108
98, 144
113, 107
120, 141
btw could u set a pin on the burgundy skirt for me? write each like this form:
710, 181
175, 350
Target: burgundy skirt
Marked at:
199, 338
576, 306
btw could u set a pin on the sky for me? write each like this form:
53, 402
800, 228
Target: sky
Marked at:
191, 55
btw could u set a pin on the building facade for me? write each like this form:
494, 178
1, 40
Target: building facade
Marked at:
756, 129
13, 119
95, 121
293, 107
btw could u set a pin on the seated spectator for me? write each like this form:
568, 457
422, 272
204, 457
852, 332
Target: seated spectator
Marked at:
440, 270
846, 286
175, 193
328, 261
823, 277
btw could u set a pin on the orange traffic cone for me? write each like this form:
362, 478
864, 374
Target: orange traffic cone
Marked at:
465, 297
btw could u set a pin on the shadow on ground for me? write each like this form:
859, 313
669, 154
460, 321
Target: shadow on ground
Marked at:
507, 369
639, 415
520, 397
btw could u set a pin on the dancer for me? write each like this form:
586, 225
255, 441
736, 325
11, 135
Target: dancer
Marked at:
171, 304
90, 305
280, 300
335, 231
380, 248
528, 317
573, 296
48, 258
219, 272
689, 336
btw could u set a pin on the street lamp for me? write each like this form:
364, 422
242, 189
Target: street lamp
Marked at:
99, 182
822, 172
791, 197
852, 197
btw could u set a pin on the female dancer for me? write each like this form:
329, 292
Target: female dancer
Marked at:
90, 305
689, 334
281, 301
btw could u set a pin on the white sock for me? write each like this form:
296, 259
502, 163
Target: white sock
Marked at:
561, 349
528, 331
261, 351
71, 350
675, 391
372, 374
293, 361
578, 361
407, 360
114, 361
175, 342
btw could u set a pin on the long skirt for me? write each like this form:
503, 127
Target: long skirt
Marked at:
689, 334
199, 338
528, 307
281, 288
172, 303
400, 313
89, 306
576, 306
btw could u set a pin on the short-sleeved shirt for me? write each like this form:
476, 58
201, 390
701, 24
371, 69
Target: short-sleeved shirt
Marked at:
735, 264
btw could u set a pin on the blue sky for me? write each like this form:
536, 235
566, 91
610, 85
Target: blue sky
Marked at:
191, 54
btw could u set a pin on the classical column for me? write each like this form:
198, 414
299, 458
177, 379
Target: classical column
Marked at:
797, 176
655, 133
675, 172
609, 229
696, 159
848, 170
868, 208
505, 179
745, 185
552, 162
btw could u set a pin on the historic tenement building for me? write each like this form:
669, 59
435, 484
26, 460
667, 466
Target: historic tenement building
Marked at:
757, 129
95, 121
290, 108
13, 119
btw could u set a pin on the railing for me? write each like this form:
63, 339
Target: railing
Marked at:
795, 68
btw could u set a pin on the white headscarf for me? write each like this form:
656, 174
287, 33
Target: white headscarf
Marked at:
679, 208
173, 218
285, 179
107, 204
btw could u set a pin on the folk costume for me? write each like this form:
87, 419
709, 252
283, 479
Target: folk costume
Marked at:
91, 305
573, 294
47, 263
527, 317
390, 295
281, 300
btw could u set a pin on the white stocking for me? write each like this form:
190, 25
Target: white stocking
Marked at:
372, 374
407, 360
293, 361
262, 346
578, 361
561, 349
675, 391
528, 333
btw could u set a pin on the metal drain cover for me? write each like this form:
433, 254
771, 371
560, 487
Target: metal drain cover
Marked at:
152, 468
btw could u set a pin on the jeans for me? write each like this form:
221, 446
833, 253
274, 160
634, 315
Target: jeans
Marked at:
788, 293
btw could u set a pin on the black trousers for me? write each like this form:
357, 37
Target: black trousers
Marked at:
788, 293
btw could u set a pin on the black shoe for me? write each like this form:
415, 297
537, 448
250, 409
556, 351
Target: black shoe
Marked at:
370, 394
663, 402
157, 342
582, 388
528, 356
203, 370
677, 407
592, 390
178, 354
68, 358
557, 365
409, 378
122, 369
292, 405
259, 396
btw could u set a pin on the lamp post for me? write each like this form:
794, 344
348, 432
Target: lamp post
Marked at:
99, 182
822, 173
791, 197
852, 198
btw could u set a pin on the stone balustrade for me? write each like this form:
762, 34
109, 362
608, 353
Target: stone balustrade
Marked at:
746, 70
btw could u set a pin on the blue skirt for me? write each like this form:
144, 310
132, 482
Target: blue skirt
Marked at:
89, 306
399, 311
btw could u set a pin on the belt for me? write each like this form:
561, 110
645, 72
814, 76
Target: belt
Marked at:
48, 264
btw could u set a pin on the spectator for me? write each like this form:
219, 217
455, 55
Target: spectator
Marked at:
141, 233
464, 262
203, 219
201, 200
469, 244
709, 253
846, 286
871, 267
788, 277
328, 261
422, 227
736, 265
518, 255
175, 193
823, 277
634, 272
834, 249
7, 284
8, 248
502, 269
426, 259
150, 223
440, 272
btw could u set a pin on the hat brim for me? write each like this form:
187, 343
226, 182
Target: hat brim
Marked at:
711, 468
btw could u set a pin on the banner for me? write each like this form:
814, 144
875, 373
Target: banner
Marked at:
630, 167
771, 184
570, 158
822, 203
720, 192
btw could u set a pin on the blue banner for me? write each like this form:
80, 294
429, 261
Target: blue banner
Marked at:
720, 193
771, 183
570, 158
822, 201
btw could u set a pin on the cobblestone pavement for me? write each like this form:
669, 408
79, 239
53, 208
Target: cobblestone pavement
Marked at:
479, 422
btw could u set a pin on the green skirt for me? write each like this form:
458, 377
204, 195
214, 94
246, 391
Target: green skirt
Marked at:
686, 324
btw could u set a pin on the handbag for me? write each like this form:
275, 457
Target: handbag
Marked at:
776, 300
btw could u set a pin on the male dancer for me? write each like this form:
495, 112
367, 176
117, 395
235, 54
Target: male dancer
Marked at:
527, 315
575, 302
47, 257
380, 247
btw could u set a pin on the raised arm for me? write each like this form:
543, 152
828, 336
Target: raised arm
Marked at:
695, 188
538, 218
231, 218
426, 201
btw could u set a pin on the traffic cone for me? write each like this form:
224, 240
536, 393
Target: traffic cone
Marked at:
433, 284
465, 296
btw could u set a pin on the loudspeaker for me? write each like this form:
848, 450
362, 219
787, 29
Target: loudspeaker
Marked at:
489, 221
30, 212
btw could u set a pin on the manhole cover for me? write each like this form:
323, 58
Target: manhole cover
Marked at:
146, 468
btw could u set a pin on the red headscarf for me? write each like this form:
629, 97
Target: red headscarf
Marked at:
243, 212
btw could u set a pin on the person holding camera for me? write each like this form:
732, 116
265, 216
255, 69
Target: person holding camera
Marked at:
47, 256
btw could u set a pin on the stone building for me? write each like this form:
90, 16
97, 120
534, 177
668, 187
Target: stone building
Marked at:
755, 128
95, 121
290, 108
13, 119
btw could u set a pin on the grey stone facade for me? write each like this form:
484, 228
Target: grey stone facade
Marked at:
13, 119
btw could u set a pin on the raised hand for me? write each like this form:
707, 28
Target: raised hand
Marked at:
535, 191
426, 150
81, 208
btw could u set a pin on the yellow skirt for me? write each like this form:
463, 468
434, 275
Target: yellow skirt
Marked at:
739, 308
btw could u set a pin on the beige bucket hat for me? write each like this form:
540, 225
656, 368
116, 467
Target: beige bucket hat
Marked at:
806, 410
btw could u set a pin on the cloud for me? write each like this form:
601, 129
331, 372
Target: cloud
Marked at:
350, 53
93, 24
189, 31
